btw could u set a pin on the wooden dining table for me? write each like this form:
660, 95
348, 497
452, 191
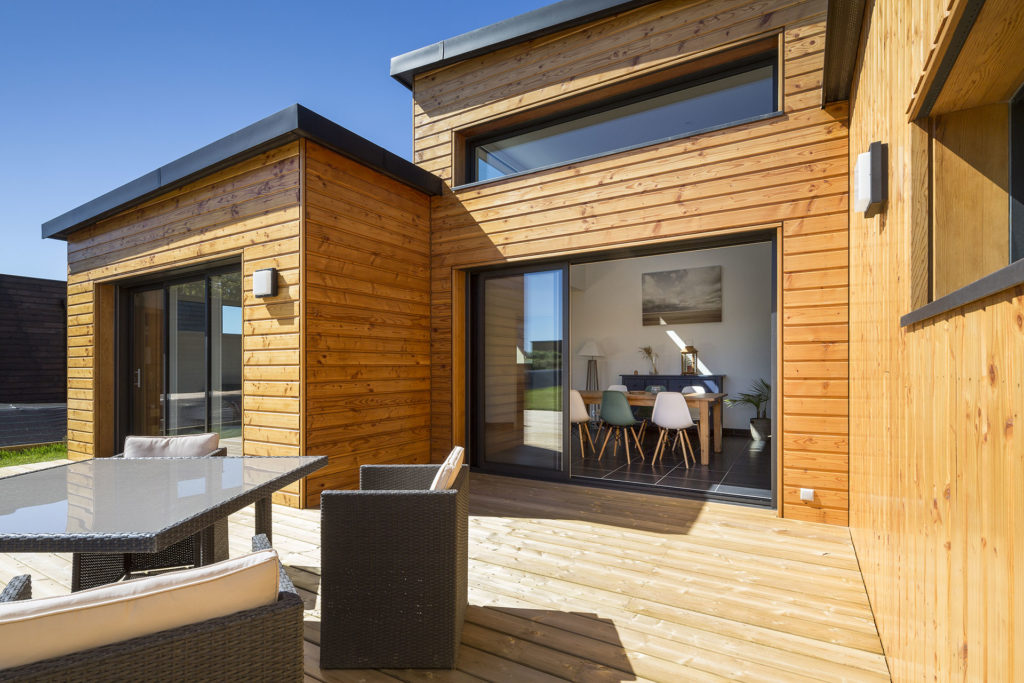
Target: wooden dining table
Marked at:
709, 405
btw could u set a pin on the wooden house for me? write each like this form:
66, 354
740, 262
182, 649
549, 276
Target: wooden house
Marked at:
893, 329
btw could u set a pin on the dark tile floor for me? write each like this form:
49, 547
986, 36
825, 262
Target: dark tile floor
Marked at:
743, 468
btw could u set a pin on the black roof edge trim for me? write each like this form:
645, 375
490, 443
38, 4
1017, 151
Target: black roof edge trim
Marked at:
842, 41
539, 22
1003, 279
291, 123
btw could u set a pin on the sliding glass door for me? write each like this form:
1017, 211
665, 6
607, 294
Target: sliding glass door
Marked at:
183, 371
519, 371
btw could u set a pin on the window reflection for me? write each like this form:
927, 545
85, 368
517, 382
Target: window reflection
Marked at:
686, 109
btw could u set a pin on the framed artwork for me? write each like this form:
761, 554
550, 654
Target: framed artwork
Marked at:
677, 297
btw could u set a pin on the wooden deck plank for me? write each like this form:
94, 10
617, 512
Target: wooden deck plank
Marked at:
575, 583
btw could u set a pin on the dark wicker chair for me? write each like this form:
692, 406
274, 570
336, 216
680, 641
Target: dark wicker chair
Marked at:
97, 569
394, 564
262, 644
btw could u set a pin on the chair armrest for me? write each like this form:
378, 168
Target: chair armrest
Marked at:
284, 583
396, 477
19, 588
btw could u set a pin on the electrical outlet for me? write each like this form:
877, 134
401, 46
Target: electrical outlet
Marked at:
807, 495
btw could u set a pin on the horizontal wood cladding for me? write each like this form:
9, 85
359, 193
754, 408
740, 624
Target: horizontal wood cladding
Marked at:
249, 211
33, 324
787, 172
936, 467
367, 330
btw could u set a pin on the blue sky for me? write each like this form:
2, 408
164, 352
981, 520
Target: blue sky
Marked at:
95, 94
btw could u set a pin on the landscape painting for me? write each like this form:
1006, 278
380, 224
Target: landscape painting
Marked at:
688, 295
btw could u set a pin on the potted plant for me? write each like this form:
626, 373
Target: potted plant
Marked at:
758, 397
651, 356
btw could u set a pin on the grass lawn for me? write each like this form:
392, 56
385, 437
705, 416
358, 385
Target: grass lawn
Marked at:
546, 398
23, 456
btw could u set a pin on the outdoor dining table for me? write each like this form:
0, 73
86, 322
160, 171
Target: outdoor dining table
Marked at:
709, 405
125, 506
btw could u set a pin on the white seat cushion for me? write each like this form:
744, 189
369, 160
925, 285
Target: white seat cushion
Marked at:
34, 630
187, 446
449, 470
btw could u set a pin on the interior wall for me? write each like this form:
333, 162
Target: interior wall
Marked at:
606, 305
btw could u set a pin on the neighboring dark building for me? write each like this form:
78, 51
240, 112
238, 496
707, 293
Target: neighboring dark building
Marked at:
33, 351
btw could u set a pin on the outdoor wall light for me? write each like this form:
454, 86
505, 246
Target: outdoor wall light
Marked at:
264, 282
871, 178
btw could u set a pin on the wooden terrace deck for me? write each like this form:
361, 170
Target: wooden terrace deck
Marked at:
574, 583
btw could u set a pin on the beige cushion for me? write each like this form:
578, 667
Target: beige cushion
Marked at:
448, 471
188, 446
34, 630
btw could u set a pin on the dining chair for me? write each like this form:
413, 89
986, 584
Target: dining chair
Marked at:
671, 412
644, 413
97, 569
611, 387
580, 419
618, 417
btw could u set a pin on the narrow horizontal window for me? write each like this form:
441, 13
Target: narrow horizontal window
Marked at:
712, 101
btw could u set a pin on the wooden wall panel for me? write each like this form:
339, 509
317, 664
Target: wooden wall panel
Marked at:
788, 171
249, 211
367, 330
33, 322
936, 473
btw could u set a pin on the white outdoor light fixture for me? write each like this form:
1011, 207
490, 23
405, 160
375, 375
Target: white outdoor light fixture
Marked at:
871, 178
264, 282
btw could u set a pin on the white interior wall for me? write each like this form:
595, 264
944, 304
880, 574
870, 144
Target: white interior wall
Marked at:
605, 305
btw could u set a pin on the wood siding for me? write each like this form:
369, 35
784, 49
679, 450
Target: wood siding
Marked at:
787, 173
937, 474
367, 331
249, 211
33, 367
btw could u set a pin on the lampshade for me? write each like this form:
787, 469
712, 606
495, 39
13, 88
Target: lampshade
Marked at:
590, 348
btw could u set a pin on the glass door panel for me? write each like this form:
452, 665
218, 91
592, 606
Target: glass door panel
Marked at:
146, 415
186, 358
520, 325
226, 354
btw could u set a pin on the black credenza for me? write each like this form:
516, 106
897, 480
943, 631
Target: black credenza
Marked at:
714, 384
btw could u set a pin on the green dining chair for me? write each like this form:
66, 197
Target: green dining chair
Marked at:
617, 415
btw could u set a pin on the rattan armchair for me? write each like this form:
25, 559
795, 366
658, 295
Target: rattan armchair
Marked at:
394, 570
262, 644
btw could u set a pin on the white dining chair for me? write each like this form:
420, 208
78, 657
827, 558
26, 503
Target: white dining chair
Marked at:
671, 413
580, 419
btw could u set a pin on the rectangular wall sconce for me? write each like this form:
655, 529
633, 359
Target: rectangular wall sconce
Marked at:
264, 282
871, 178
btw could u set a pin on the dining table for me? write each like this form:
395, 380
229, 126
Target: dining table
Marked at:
709, 406
103, 510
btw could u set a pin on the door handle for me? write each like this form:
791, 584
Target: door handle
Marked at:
138, 378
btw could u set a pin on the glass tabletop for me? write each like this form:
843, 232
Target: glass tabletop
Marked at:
134, 496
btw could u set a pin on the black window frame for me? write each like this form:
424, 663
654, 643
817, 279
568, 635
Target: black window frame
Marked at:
765, 58
1016, 176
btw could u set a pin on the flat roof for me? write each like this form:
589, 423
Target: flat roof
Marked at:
539, 22
291, 123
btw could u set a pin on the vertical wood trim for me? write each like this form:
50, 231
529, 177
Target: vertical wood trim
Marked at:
458, 340
302, 503
104, 370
